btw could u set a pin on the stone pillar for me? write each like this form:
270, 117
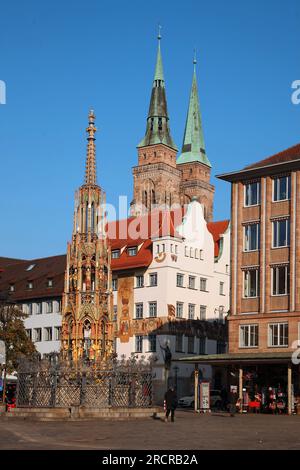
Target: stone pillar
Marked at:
241, 387
196, 387
289, 390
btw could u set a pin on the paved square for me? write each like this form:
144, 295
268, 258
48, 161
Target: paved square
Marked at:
190, 431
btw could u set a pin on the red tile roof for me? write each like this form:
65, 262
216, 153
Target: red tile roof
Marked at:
121, 236
217, 229
290, 154
8, 261
16, 274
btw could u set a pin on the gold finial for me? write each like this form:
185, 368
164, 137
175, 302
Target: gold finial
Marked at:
90, 168
159, 32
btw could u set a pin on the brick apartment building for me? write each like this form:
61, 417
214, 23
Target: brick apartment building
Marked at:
265, 255
264, 316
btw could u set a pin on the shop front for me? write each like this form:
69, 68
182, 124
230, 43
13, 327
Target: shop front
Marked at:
264, 383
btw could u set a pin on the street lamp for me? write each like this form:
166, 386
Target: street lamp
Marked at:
176, 369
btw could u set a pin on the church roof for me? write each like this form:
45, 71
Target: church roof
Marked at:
193, 147
157, 129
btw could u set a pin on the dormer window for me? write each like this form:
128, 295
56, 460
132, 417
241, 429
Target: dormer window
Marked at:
132, 251
30, 267
29, 285
115, 254
50, 283
12, 288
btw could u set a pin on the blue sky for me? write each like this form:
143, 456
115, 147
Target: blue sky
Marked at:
59, 58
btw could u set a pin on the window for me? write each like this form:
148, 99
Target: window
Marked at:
48, 334
58, 306
179, 309
29, 309
280, 280
115, 313
221, 312
191, 311
139, 310
139, 344
203, 284
192, 282
252, 194
191, 344
12, 288
152, 343
221, 288
278, 335
38, 308
57, 333
179, 343
251, 283
38, 335
153, 279
29, 285
201, 255
281, 233
115, 254
179, 280
176, 249
282, 188
248, 336
202, 345
139, 280
252, 237
50, 283
221, 347
115, 284
132, 251
30, 267
29, 333
202, 312
49, 307
152, 309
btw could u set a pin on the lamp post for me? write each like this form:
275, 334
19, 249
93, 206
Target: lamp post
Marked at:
176, 369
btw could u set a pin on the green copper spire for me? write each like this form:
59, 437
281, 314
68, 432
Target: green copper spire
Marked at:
159, 72
193, 147
157, 130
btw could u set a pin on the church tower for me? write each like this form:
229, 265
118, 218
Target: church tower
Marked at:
87, 329
156, 178
193, 162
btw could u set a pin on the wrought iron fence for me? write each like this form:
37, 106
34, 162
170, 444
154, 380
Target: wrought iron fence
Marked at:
54, 382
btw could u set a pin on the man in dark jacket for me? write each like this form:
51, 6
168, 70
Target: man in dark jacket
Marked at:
171, 403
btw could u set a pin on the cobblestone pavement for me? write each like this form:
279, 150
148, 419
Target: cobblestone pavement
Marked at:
190, 431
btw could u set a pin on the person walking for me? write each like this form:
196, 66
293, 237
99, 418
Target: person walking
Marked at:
232, 401
171, 403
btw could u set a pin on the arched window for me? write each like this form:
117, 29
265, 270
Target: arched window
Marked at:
86, 217
153, 196
93, 218
145, 198
82, 222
